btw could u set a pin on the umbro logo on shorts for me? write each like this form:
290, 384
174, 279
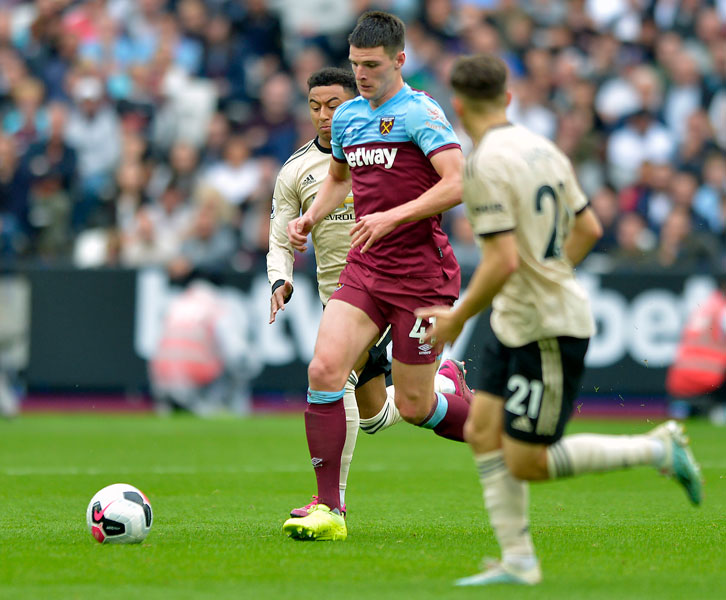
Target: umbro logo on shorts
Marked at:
317, 462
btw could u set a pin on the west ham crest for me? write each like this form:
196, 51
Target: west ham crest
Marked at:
386, 125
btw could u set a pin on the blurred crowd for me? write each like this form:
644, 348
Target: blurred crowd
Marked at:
149, 132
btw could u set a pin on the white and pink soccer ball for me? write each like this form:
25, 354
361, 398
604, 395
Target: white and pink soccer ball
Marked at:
119, 514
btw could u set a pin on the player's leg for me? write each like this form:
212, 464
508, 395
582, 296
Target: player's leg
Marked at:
345, 333
352, 424
414, 361
666, 448
506, 498
375, 401
419, 405
380, 403
543, 391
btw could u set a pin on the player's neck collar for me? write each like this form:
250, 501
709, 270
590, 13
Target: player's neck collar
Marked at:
500, 125
322, 148
403, 88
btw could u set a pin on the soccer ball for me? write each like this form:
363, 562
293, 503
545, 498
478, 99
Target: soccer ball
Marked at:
119, 514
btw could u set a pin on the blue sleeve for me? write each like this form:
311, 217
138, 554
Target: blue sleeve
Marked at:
335, 134
427, 125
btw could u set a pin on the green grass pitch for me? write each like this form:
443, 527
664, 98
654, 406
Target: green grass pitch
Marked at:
220, 490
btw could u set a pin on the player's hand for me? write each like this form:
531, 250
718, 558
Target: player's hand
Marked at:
445, 326
371, 228
297, 233
277, 300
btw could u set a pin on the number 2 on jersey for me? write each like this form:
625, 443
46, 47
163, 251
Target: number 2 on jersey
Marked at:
554, 247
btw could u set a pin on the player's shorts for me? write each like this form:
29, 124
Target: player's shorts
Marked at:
539, 382
392, 300
378, 363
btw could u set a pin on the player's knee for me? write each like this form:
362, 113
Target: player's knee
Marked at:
480, 437
410, 413
472, 434
323, 375
527, 466
411, 410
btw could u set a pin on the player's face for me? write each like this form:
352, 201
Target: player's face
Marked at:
322, 102
376, 73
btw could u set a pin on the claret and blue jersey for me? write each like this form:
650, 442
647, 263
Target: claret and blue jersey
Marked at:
388, 150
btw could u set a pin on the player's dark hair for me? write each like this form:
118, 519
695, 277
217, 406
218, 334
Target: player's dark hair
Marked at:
333, 76
479, 77
377, 28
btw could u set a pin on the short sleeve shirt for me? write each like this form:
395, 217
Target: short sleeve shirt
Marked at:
388, 150
518, 181
297, 184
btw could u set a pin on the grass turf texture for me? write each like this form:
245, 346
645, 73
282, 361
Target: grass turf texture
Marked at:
221, 489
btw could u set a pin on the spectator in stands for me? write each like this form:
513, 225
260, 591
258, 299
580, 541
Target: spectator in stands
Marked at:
683, 94
635, 244
529, 109
182, 167
223, 60
697, 142
641, 139
210, 244
260, 31
605, 205
14, 193
143, 246
52, 166
710, 199
271, 129
218, 133
93, 131
130, 196
629, 85
683, 249
682, 190
237, 175
27, 119
171, 216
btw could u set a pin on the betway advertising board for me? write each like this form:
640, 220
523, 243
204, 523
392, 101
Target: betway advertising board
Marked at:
96, 329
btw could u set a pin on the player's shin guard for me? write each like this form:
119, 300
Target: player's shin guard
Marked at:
387, 416
507, 502
325, 428
352, 420
447, 417
590, 453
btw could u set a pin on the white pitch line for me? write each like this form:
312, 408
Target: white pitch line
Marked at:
182, 470
232, 469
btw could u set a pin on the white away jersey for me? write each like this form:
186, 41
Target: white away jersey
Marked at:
297, 184
516, 180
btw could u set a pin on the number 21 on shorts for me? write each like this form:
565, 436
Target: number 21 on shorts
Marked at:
526, 396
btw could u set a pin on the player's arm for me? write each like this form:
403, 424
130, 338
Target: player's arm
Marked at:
583, 236
445, 194
332, 193
500, 259
286, 206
